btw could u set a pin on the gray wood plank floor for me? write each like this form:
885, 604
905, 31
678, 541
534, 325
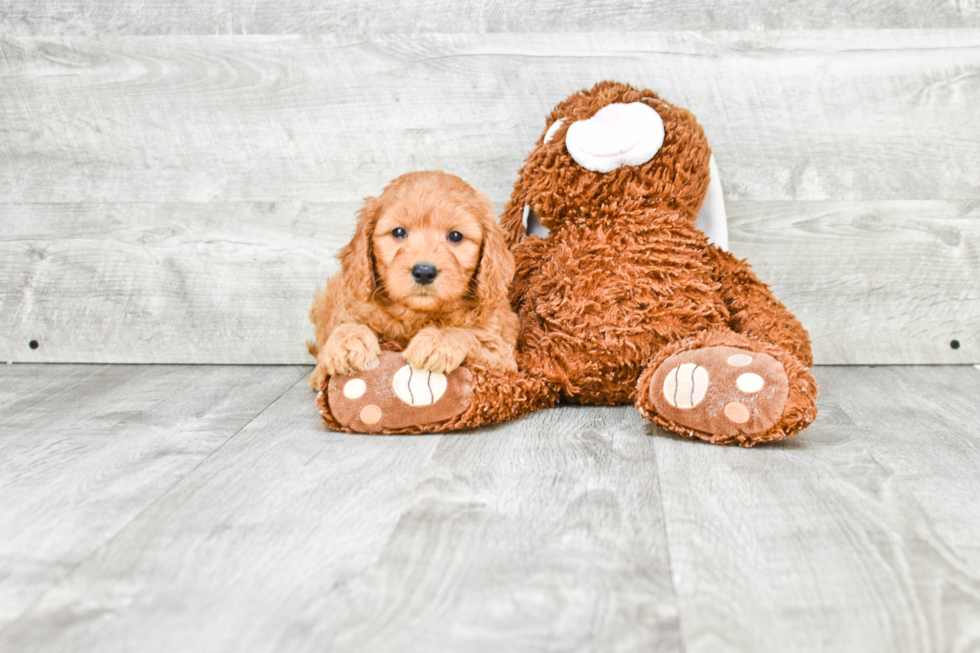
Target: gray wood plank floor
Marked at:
85, 449
168, 508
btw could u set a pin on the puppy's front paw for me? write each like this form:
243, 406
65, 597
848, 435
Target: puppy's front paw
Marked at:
318, 377
349, 349
435, 351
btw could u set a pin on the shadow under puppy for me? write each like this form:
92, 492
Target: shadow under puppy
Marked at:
427, 272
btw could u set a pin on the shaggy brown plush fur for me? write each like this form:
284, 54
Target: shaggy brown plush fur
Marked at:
625, 280
463, 314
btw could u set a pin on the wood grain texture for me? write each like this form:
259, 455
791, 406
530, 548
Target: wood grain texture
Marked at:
887, 282
577, 528
843, 115
179, 199
543, 535
874, 282
90, 17
84, 450
158, 283
859, 534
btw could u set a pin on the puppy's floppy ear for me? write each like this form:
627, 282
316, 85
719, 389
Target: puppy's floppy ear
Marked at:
496, 268
357, 257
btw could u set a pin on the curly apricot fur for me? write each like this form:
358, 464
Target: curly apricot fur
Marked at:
464, 314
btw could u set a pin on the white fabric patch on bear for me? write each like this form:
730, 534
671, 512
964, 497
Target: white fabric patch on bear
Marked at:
712, 218
555, 126
418, 387
617, 135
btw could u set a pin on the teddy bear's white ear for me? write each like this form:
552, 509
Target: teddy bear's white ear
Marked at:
712, 218
555, 126
533, 226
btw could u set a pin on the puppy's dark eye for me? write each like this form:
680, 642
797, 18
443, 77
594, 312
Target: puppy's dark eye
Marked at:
398, 232
455, 236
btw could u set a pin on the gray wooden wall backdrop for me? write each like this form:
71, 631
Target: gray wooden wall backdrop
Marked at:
175, 176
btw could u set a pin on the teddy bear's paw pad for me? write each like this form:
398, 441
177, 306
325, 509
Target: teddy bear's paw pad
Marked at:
392, 395
720, 390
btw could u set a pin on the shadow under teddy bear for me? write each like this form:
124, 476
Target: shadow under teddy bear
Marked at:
621, 299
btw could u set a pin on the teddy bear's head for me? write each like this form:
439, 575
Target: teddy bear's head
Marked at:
606, 152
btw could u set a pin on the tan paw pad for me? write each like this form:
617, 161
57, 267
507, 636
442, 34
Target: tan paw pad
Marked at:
371, 414
749, 382
355, 388
739, 360
737, 412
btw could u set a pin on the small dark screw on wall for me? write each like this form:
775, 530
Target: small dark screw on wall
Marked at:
33, 344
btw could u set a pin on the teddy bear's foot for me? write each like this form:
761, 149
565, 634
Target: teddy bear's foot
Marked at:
392, 397
722, 388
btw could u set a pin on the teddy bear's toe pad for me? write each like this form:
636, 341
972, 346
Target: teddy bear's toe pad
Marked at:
720, 390
392, 395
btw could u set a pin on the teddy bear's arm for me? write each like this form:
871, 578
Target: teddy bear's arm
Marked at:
754, 311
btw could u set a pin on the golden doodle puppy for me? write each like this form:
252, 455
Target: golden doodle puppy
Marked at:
428, 270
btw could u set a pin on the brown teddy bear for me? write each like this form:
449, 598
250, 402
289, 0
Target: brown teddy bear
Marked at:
621, 299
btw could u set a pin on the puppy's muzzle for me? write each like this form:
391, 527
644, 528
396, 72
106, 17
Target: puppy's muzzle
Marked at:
424, 273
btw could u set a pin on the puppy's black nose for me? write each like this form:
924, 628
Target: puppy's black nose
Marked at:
424, 273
